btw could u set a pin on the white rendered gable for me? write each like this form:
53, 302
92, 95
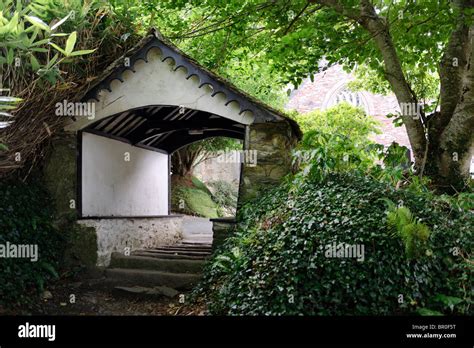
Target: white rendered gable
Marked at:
156, 83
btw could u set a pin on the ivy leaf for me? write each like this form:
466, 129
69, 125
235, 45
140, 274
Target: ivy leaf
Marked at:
429, 312
48, 267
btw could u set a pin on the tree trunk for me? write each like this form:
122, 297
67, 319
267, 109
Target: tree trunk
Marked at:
448, 163
442, 144
182, 162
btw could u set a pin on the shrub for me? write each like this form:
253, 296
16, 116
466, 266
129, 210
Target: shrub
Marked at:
224, 194
341, 119
276, 263
26, 218
338, 139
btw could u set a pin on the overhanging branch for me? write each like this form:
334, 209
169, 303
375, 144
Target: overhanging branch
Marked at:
378, 27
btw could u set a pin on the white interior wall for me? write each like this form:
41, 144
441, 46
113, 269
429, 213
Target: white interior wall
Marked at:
112, 186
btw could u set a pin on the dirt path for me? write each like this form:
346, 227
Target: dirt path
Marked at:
86, 298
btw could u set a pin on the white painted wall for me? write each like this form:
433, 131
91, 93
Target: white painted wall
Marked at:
155, 83
112, 186
114, 235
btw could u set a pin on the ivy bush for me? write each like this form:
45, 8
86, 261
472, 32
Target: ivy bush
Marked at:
25, 218
276, 262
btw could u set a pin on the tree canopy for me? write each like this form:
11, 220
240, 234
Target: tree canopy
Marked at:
416, 47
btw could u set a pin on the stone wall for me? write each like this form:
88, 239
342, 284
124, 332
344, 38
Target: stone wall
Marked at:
60, 176
273, 143
114, 235
216, 168
221, 230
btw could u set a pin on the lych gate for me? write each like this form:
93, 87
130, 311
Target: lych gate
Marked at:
149, 103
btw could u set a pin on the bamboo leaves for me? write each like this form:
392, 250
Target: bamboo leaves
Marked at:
37, 22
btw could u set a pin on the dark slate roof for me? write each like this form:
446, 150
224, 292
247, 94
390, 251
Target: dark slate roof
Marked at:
262, 112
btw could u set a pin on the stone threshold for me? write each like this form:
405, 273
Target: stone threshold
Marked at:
129, 217
229, 220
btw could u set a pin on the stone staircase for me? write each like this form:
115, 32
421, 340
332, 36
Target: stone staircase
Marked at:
176, 266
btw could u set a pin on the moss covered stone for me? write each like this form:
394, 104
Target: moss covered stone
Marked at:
273, 144
60, 177
194, 201
81, 246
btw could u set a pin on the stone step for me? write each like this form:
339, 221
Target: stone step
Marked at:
173, 256
186, 242
179, 248
198, 238
170, 251
198, 235
156, 291
146, 278
197, 241
195, 245
152, 262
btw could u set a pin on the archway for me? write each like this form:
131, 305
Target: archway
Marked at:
149, 103
114, 148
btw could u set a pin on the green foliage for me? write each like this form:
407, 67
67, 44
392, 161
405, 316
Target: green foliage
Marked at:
225, 52
321, 153
426, 84
6, 103
292, 37
335, 139
200, 185
414, 234
276, 264
196, 202
195, 199
186, 158
26, 218
340, 119
224, 194
26, 36
461, 201
28, 50
199, 200
338, 139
